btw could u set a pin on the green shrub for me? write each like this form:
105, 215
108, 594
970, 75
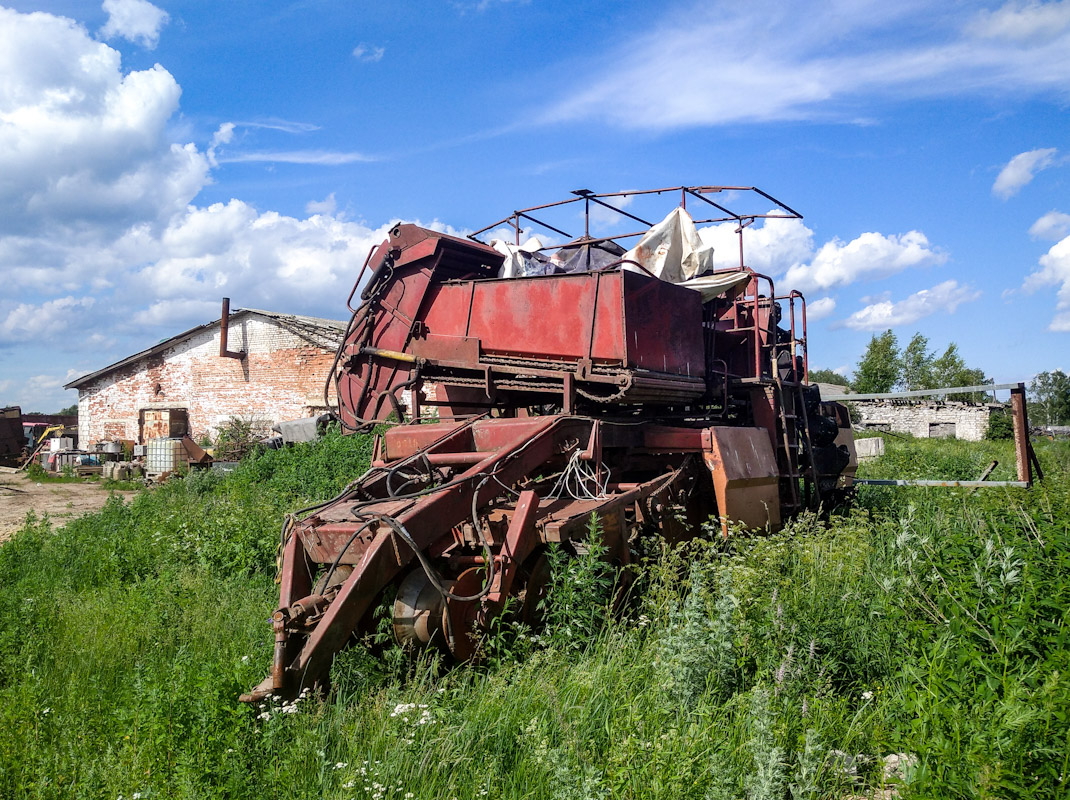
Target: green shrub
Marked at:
1000, 426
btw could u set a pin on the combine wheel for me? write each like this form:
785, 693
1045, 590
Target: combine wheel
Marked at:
460, 616
418, 611
423, 617
532, 582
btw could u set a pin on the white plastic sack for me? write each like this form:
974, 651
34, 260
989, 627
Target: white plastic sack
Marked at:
672, 250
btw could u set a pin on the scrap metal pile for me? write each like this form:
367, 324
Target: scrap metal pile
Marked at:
533, 386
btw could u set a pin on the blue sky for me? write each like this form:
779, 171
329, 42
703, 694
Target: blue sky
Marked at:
154, 158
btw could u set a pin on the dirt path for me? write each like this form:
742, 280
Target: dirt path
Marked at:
61, 501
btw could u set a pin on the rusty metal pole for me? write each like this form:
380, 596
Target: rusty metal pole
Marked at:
1020, 421
224, 324
224, 332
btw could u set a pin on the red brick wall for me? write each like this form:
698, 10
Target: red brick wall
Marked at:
281, 378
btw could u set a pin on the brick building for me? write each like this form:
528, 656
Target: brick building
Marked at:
182, 385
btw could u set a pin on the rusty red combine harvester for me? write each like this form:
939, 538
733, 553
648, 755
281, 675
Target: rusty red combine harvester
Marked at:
637, 386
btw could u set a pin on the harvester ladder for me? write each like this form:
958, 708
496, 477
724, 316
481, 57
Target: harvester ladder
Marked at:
794, 439
789, 445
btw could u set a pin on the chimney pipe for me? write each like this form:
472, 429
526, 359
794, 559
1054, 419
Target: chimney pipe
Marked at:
224, 330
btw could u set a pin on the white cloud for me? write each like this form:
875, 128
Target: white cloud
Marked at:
785, 247
871, 255
944, 297
1023, 23
770, 246
257, 259
326, 206
136, 21
722, 64
1021, 169
325, 157
83, 147
223, 135
1053, 226
96, 202
368, 53
53, 319
1055, 269
40, 392
284, 125
819, 309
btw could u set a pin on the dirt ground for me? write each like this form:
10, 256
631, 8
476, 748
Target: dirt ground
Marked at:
61, 501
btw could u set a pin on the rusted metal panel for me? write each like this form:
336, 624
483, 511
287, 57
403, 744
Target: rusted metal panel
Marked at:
1020, 424
745, 477
464, 349
664, 326
155, 424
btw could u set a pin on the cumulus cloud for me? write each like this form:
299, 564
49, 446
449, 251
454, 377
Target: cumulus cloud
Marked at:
1055, 270
871, 255
770, 246
1053, 226
1021, 170
97, 205
49, 320
83, 150
137, 21
723, 64
368, 53
820, 308
326, 206
256, 258
944, 297
785, 247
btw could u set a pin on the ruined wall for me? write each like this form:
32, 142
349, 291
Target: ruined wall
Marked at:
927, 420
281, 378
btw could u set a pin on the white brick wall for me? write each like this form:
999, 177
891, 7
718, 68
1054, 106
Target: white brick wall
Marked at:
970, 420
281, 378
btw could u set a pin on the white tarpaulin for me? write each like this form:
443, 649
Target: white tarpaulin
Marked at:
672, 249
581, 256
523, 260
716, 284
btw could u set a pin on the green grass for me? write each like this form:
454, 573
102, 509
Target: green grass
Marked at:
932, 622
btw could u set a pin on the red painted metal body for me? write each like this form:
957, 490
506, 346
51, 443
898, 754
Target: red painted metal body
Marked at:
607, 392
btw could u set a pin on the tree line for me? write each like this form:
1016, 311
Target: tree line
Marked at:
885, 368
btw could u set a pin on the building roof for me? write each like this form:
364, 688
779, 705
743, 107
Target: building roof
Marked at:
329, 330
